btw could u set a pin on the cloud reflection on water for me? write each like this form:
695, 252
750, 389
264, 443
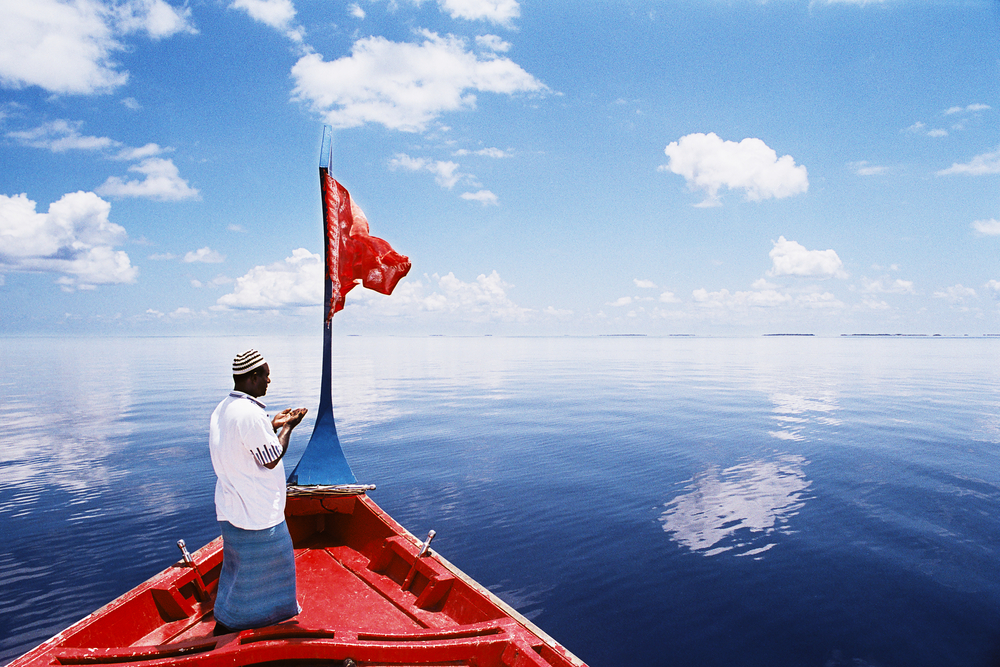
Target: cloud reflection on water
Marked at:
756, 499
793, 411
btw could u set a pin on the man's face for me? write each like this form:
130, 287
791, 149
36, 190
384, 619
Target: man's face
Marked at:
259, 382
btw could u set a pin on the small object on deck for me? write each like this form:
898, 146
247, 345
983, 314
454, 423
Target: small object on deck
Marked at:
427, 544
201, 593
185, 554
425, 548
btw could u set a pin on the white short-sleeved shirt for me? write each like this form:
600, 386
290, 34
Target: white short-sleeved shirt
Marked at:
241, 440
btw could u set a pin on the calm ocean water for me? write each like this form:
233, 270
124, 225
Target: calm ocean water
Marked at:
646, 501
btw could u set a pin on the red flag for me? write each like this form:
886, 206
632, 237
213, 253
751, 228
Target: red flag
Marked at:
352, 254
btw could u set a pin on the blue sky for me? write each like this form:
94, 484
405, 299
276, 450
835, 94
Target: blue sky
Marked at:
589, 167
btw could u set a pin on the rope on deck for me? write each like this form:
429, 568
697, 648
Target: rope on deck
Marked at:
328, 490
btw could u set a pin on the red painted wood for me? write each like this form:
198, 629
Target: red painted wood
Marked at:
352, 561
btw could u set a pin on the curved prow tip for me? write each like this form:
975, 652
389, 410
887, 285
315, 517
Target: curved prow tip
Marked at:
326, 150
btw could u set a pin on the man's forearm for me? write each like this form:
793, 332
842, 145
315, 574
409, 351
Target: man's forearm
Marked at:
284, 436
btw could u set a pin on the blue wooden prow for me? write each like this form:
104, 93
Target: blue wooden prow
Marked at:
323, 463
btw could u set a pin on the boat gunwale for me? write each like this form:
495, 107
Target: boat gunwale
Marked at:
207, 650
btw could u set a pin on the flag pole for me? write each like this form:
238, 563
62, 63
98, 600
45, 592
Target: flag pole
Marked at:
323, 464
326, 384
351, 255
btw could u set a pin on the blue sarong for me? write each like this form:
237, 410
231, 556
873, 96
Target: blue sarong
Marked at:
257, 583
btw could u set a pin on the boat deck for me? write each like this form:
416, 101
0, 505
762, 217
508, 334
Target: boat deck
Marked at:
365, 595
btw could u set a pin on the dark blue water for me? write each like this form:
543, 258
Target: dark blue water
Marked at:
646, 501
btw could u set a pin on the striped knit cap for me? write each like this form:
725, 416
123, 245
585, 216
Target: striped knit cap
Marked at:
246, 362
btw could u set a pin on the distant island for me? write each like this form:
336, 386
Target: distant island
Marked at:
910, 335
623, 335
886, 335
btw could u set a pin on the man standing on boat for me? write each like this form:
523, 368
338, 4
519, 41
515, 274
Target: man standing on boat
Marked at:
257, 583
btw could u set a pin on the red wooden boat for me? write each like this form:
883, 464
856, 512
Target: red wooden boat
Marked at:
372, 594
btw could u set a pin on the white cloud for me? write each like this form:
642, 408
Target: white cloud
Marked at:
921, 128
560, 313
871, 303
444, 172
621, 301
484, 197
669, 297
708, 163
132, 103
763, 298
75, 238
67, 46
644, 284
726, 299
59, 136
149, 150
484, 152
278, 14
818, 300
987, 163
499, 12
76, 217
863, 168
955, 294
993, 288
156, 18
969, 109
493, 43
205, 255
446, 175
989, 227
404, 86
296, 281
882, 286
792, 259
438, 300
161, 181
355, 10
214, 282
484, 300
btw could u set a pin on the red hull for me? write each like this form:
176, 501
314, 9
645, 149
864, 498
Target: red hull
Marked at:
364, 592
